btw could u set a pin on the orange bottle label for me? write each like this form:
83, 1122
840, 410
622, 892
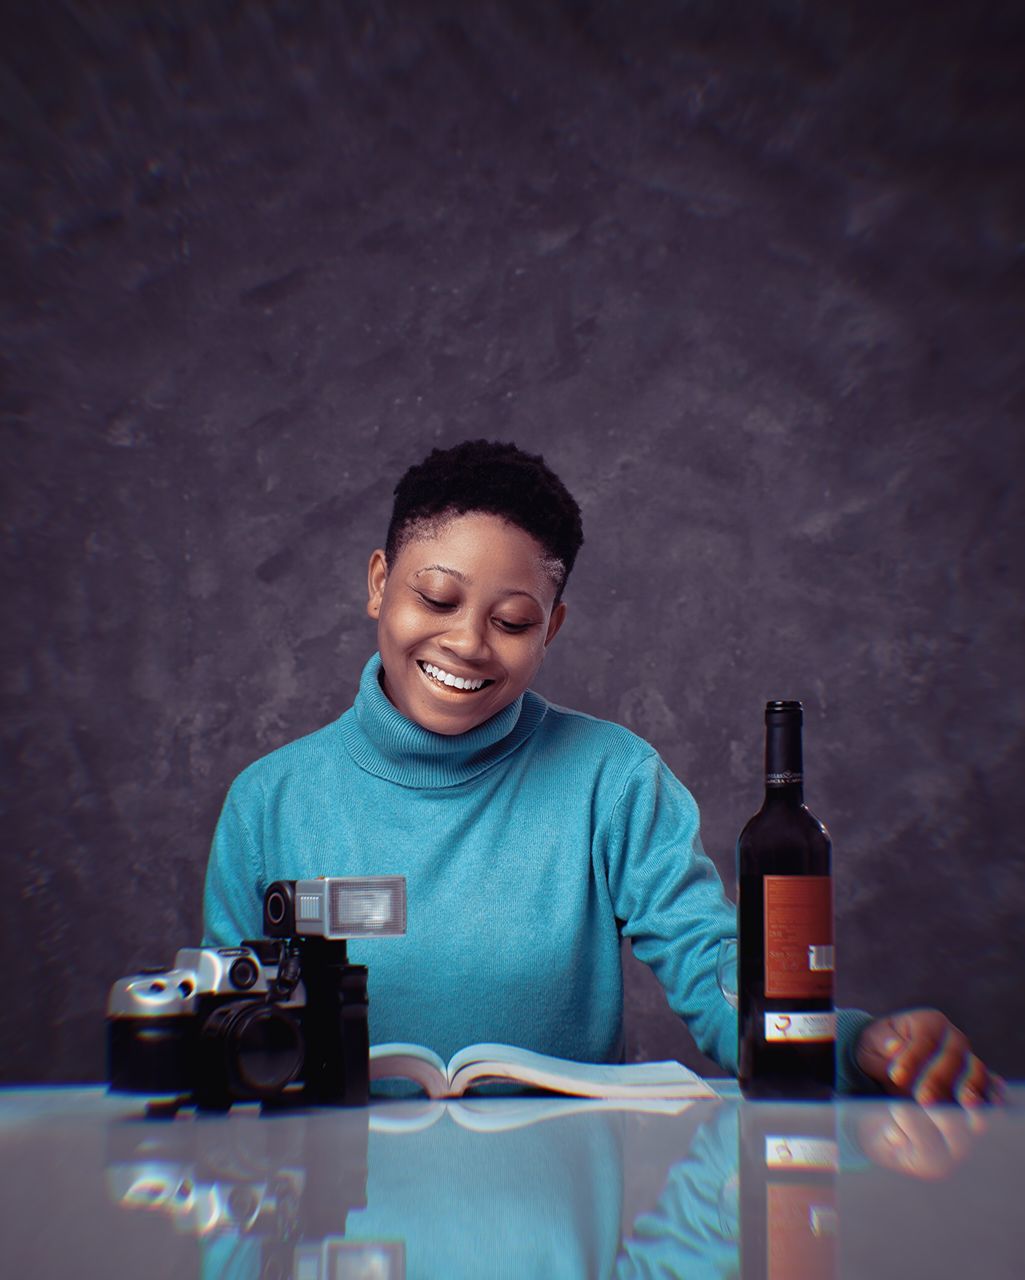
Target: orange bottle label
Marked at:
801, 1231
798, 937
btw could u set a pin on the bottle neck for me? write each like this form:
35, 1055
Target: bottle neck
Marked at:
784, 765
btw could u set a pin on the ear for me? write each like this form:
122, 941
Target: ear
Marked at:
555, 622
377, 576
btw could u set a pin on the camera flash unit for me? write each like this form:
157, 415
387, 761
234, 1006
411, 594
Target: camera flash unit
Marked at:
336, 907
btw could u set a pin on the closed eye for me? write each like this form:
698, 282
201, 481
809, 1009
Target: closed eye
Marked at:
431, 603
446, 606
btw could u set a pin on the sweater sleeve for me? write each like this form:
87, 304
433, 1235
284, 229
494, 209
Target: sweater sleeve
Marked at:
669, 897
668, 894
232, 898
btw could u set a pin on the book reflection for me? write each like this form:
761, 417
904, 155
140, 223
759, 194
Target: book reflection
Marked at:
510, 1186
516, 1186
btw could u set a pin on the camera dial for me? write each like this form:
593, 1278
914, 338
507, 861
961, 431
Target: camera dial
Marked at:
243, 973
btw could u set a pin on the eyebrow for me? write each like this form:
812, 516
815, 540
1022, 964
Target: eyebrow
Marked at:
461, 577
442, 568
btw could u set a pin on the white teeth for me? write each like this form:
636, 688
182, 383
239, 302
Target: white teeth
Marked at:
453, 682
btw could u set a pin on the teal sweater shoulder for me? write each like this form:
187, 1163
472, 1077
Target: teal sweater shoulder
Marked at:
530, 847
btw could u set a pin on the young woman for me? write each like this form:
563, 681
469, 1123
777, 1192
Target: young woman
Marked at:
531, 837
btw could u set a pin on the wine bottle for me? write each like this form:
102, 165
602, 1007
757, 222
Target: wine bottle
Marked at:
787, 1023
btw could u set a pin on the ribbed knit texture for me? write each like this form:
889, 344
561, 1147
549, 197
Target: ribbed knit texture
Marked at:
523, 843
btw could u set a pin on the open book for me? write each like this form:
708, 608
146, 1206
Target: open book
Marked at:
485, 1063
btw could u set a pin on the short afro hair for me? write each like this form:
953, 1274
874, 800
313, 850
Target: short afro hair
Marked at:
497, 479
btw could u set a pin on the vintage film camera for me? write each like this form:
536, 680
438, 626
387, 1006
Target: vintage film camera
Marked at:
276, 1019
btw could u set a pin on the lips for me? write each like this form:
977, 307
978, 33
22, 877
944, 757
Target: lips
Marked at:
449, 680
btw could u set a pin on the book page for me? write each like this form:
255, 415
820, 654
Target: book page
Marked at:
477, 1063
410, 1062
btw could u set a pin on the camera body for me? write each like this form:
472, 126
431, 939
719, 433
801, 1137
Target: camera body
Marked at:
276, 1019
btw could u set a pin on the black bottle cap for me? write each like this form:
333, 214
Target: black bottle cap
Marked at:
784, 713
783, 726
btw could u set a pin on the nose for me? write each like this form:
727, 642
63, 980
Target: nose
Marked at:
466, 638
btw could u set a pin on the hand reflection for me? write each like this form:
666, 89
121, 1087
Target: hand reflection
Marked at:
920, 1142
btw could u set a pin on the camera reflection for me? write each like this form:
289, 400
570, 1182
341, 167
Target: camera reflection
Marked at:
263, 1197
519, 1186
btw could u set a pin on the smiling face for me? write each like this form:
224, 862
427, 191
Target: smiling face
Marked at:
463, 619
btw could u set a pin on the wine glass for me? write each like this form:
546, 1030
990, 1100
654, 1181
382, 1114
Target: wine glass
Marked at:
726, 971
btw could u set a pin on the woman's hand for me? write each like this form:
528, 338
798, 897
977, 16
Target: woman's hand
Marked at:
919, 1053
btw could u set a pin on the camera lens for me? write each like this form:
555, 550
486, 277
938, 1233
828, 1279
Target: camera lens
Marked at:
243, 974
276, 906
268, 1049
259, 1046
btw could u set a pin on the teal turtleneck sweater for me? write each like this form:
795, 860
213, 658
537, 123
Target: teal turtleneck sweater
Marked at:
528, 846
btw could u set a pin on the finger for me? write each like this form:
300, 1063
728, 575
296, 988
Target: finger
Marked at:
910, 1142
927, 1067
923, 1151
914, 1038
882, 1137
938, 1077
958, 1127
996, 1091
882, 1045
973, 1086
876, 1050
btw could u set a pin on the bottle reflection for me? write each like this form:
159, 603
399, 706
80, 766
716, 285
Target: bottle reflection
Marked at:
526, 1186
789, 1165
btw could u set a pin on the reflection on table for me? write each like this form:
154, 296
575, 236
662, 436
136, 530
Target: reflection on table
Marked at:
510, 1186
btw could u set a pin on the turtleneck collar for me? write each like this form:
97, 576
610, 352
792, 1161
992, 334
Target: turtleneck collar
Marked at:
384, 742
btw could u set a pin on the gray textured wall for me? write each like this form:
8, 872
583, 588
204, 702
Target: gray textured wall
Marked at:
751, 276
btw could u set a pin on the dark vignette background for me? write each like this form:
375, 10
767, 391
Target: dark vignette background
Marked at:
751, 277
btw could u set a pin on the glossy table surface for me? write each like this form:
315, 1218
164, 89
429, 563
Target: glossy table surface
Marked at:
514, 1186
